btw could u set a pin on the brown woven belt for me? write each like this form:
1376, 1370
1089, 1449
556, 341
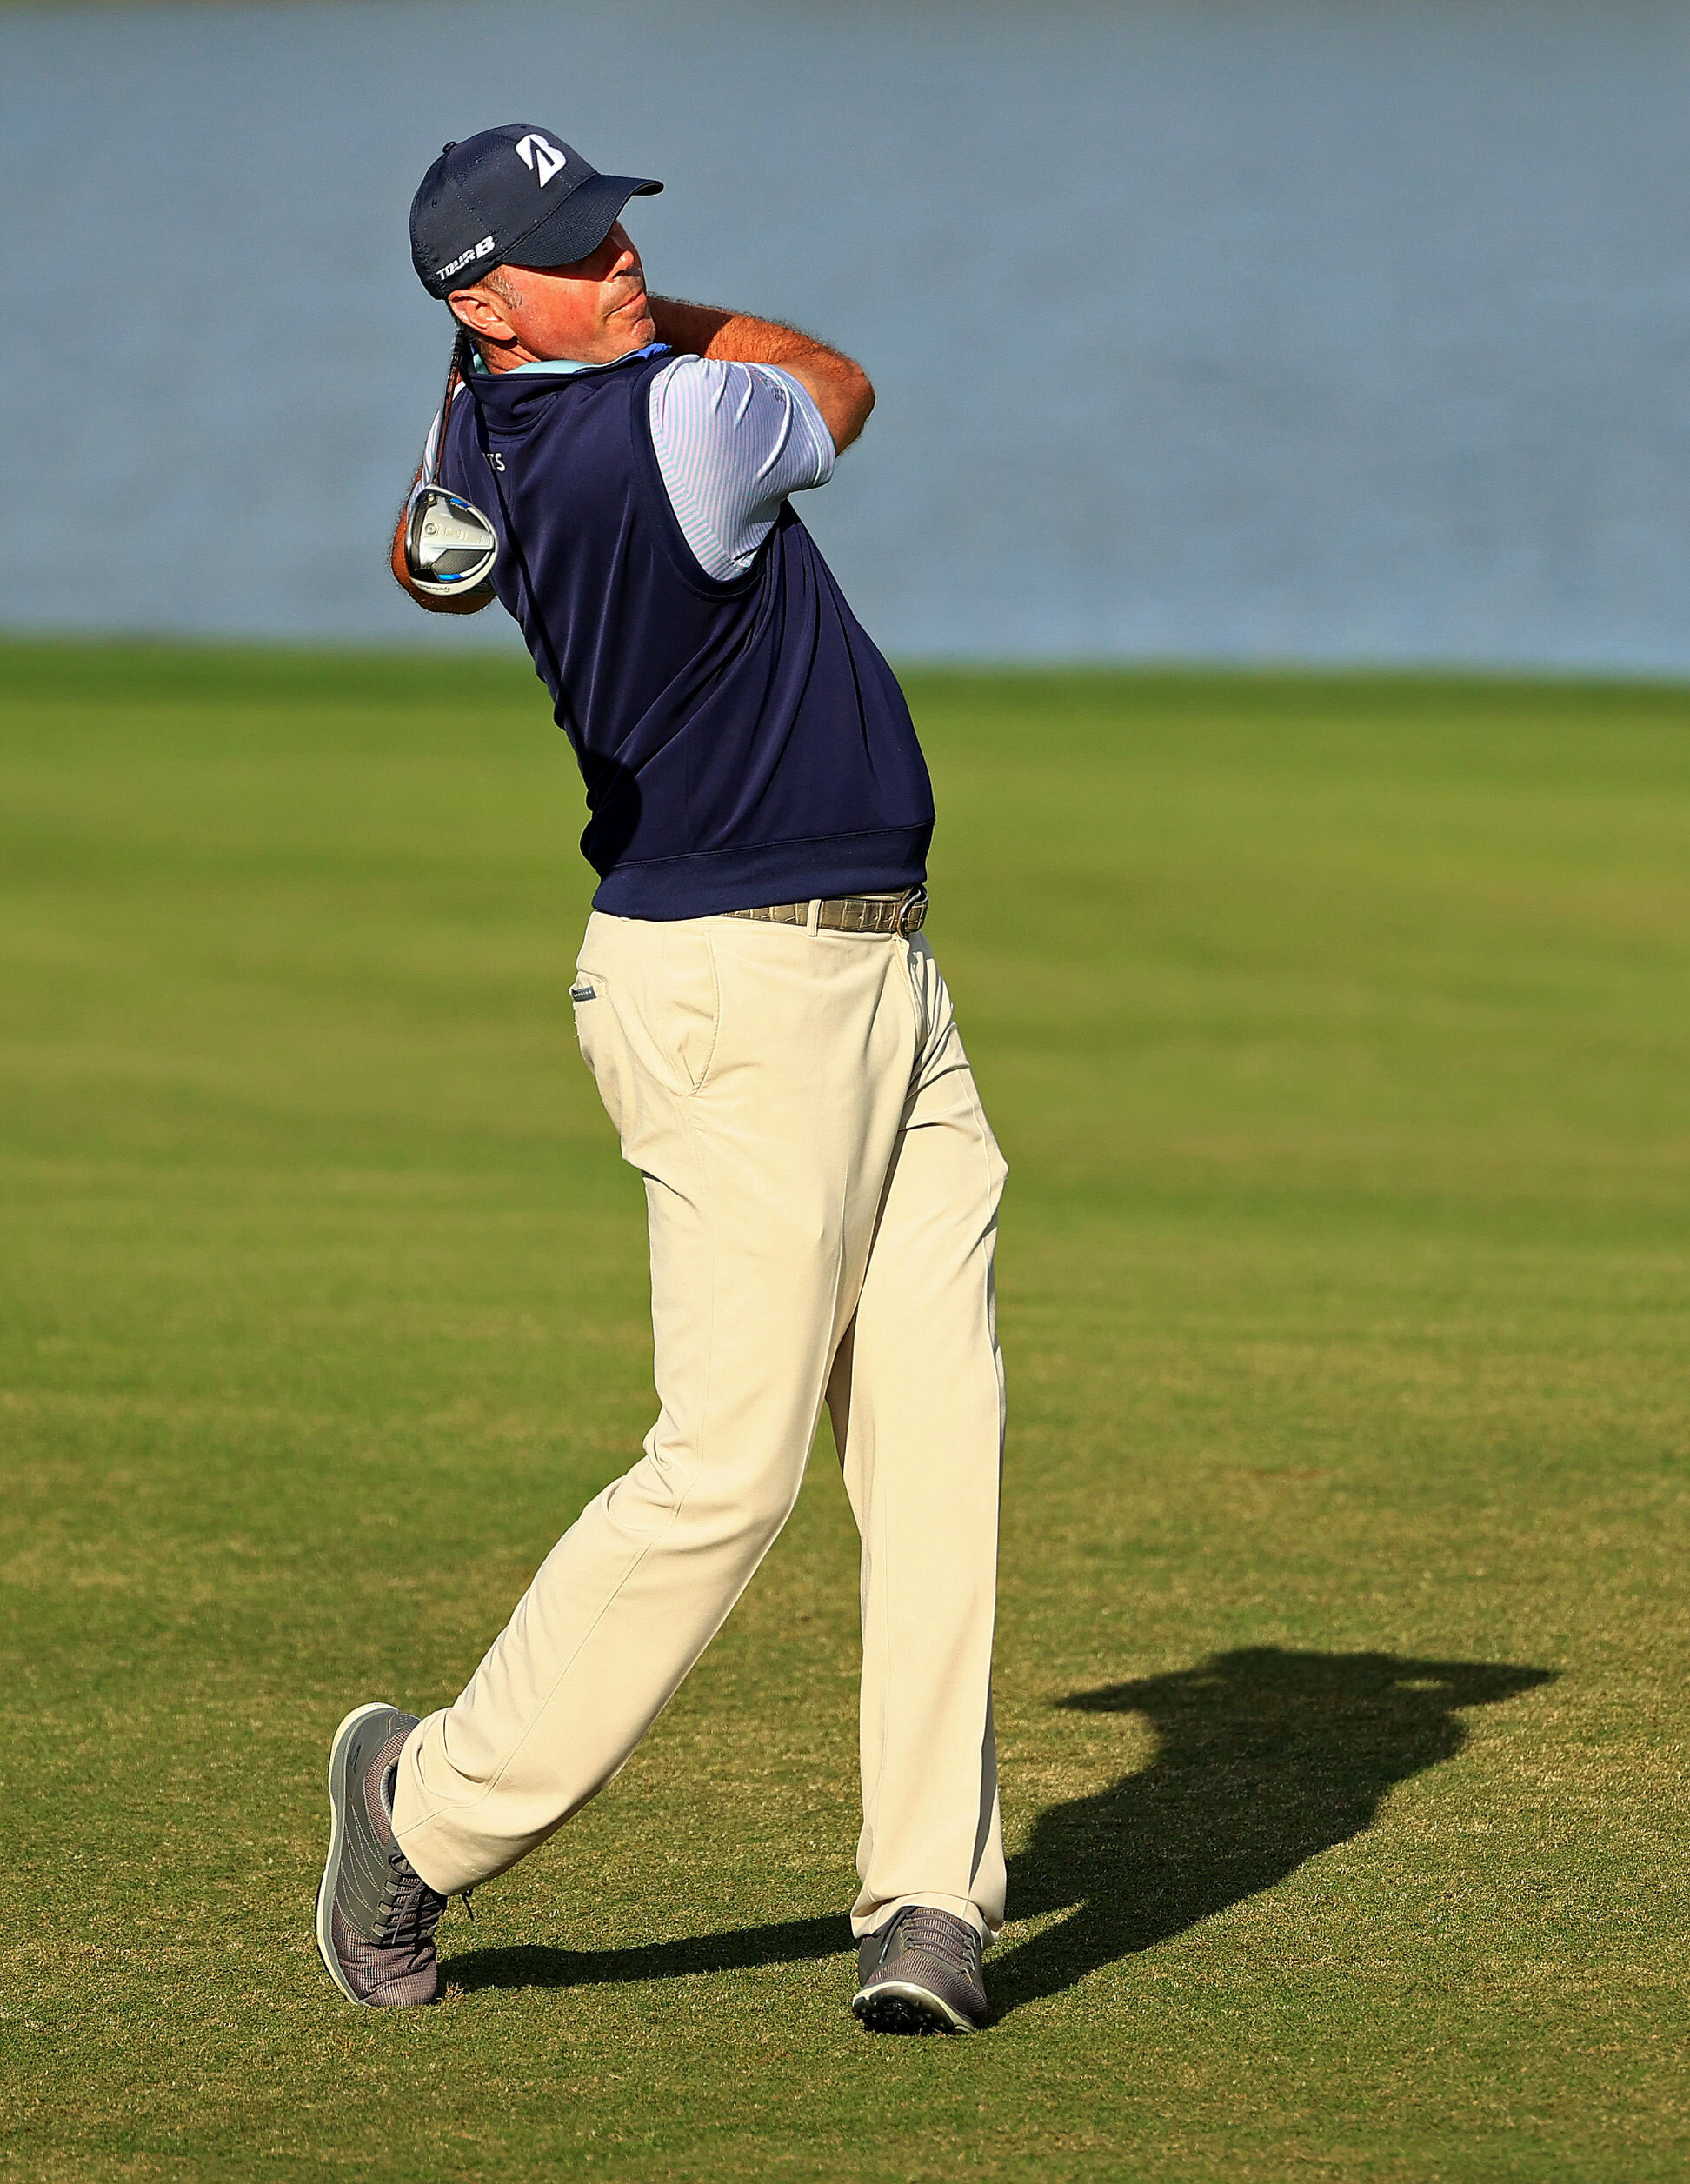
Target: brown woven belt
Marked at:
904, 913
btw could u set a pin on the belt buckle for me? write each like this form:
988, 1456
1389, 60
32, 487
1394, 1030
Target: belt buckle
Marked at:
911, 912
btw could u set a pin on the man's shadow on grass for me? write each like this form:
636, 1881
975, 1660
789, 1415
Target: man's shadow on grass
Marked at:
1263, 1759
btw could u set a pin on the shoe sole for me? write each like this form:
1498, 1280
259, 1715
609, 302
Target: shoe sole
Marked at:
325, 1901
900, 2005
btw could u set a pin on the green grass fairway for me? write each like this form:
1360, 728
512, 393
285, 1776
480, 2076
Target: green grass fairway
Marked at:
1338, 1035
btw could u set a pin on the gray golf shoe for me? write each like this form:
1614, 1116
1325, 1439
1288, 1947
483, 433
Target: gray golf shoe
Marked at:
376, 1914
919, 1972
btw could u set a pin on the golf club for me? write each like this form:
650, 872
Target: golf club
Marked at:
451, 547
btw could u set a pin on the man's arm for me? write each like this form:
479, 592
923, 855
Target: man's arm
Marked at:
840, 389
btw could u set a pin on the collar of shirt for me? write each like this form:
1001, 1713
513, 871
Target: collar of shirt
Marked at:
564, 365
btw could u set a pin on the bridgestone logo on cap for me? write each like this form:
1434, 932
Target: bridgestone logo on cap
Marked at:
458, 265
545, 159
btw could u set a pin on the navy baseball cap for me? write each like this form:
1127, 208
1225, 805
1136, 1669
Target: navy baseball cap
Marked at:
515, 195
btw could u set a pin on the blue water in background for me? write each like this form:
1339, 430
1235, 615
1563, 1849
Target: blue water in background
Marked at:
1330, 330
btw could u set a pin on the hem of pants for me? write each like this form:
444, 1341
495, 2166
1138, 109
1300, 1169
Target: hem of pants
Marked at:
455, 1888
410, 1753
959, 1907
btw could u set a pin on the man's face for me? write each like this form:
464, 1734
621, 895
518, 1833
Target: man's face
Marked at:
591, 312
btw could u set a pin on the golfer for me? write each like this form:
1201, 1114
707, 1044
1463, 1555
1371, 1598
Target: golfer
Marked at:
775, 1045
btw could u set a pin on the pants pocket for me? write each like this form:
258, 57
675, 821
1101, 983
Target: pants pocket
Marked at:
589, 1002
689, 996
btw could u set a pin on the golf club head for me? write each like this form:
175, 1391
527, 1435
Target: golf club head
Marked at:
449, 545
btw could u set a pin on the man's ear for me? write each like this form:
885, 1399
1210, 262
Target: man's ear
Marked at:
481, 313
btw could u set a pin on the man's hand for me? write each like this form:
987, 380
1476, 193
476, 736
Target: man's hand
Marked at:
841, 388
465, 603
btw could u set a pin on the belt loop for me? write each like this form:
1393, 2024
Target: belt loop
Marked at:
815, 923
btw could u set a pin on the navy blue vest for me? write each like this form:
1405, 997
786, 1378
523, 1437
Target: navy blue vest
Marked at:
742, 743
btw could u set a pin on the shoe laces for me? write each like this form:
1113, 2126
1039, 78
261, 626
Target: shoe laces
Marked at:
410, 1908
952, 1941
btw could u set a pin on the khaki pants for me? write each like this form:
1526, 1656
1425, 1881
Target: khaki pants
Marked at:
823, 1188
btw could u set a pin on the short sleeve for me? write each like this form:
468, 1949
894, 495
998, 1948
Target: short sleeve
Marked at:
732, 441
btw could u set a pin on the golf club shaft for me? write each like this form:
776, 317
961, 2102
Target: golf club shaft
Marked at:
454, 373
